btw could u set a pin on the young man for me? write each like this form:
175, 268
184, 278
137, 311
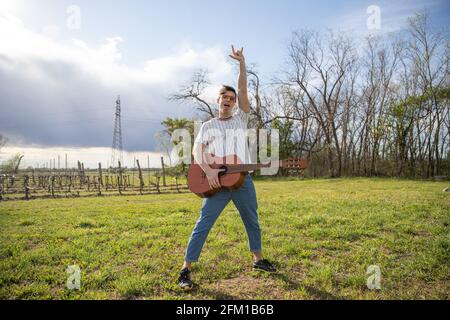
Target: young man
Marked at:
211, 137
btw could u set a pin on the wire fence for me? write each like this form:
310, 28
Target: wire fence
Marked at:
41, 183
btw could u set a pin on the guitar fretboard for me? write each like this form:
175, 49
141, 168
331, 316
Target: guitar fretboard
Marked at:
232, 168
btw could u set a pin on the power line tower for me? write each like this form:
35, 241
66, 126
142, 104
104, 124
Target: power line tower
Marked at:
117, 150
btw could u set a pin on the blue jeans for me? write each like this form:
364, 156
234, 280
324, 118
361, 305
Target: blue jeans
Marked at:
244, 199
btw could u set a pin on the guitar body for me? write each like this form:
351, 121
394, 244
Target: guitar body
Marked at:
198, 183
235, 171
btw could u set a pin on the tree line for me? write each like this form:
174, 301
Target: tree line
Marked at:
377, 106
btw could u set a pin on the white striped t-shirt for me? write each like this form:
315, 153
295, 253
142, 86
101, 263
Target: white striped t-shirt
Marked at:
226, 137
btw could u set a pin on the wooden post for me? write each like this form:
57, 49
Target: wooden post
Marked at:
53, 186
83, 173
79, 170
118, 184
157, 183
1, 187
163, 171
25, 187
176, 183
141, 180
99, 178
120, 179
100, 173
134, 167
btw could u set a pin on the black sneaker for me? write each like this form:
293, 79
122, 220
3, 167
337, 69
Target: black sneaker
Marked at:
264, 265
184, 281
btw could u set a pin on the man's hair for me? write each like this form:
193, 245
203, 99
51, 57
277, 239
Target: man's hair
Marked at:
226, 88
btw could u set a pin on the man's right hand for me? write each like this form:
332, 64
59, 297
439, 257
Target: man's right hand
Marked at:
213, 178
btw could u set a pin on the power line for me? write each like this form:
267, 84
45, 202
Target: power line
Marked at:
117, 149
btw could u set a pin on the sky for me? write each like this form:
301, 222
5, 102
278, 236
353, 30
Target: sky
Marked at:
63, 63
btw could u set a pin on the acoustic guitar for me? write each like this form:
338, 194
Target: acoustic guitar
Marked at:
234, 174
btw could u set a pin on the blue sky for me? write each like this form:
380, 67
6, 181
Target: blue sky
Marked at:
158, 27
58, 85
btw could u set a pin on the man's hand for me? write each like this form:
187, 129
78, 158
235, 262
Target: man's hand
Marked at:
213, 178
237, 55
243, 101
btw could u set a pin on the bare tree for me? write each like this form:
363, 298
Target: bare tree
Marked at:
3, 141
192, 92
379, 110
374, 106
428, 52
318, 67
11, 165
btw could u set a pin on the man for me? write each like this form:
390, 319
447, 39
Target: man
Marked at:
211, 137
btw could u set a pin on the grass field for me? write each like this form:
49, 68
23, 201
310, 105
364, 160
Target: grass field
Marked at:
323, 234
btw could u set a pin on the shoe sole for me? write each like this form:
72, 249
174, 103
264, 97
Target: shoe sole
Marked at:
187, 287
260, 269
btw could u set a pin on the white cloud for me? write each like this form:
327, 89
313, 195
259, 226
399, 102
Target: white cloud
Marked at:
104, 61
52, 31
393, 16
169, 68
61, 92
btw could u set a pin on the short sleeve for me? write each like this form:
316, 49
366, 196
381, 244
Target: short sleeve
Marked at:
202, 137
242, 115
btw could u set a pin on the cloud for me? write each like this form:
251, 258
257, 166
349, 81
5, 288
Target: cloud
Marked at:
52, 31
393, 16
61, 92
167, 68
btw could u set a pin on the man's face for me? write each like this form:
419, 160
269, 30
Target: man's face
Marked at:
227, 101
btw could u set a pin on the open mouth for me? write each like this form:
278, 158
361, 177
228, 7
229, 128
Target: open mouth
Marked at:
226, 105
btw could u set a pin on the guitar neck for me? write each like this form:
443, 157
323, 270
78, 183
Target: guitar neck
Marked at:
234, 168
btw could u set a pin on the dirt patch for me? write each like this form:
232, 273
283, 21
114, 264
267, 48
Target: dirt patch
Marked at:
246, 287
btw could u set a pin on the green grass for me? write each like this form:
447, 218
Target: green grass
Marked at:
324, 234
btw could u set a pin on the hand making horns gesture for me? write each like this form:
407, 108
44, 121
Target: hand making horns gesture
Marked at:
237, 55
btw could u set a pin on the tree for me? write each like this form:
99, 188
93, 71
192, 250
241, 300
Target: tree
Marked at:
428, 53
11, 165
192, 92
3, 141
172, 124
318, 67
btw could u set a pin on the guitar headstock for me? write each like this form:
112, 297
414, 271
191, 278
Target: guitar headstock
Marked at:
294, 163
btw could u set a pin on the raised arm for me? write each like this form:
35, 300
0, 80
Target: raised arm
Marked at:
243, 101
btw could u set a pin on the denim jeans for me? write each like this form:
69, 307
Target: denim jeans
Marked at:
244, 199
